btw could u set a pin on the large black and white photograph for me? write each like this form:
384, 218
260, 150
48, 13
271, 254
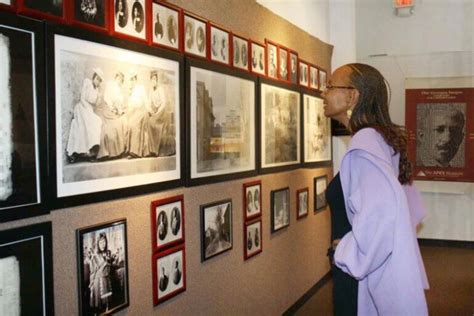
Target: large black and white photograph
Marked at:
317, 130
280, 124
222, 124
169, 274
220, 45
216, 228
293, 77
103, 268
26, 276
283, 64
320, 185
166, 21
21, 107
241, 53
252, 199
117, 117
280, 212
322, 79
130, 18
51, 7
313, 77
302, 196
252, 238
168, 222
303, 74
91, 12
258, 58
195, 35
272, 61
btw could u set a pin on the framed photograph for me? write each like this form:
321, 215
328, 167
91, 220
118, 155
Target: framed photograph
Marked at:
272, 59
280, 202
258, 63
116, 117
303, 73
252, 238
26, 270
302, 196
322, 79
320, 185
92, 14
167, 218
280, 127
9, 5
45, 9
166, 23
103, 268
219, 44
293, 67
240, 52
283, 61
221, 122
313, 77
195, 35
23, 118
317, 144
216, 228
169, 274
130, 18
252, 199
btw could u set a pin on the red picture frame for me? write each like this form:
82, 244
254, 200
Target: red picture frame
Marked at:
238, 52
258, 58
37, 13
303, 69
164, 211
191, 34
168, 25
72, 7
293, 69
219, 44
166, 286
271, 54
253, 242
300, 215
251, 209
125, 21
283, 63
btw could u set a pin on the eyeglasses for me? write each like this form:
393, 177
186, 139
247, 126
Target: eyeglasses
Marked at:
331, 87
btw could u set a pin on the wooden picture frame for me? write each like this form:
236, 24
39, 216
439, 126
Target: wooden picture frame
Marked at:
293, 67
280, 212
41, 10
165, 286
241, 53
303, 73
252, 199
302, 202
313, 77
320, 185
167, 222
253, 243
258, 63
167, 32
283, 63
194, 35
90, 15
272, 60
220, 44
322, 75
130, 19
216, 229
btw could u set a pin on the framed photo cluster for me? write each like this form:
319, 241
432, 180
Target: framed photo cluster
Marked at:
216, 228
252, 204
169, 254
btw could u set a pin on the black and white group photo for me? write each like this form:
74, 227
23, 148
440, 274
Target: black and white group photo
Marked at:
258, 58
220, 47
216, 230
130, 17
194, 36
170, 273
90, 12
165, 26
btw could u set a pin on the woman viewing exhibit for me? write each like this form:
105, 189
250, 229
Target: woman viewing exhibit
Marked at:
377, 266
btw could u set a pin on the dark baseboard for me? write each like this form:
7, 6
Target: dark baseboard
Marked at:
300, 302
446, 243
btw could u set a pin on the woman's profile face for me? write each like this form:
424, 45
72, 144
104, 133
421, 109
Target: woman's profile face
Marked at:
336, 101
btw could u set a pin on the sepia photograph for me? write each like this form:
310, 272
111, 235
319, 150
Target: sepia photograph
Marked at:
313, 77
320, 185
280, 125
91, 12
26, 271
283, 65
216, 228
293, 76
169, 274
252, 238
166, 21
302, 203
117, 117
50, 7
167, 222
252, 192
303, 73
241, 53
103, 268
322, 79
280, 213
258, 58
222, 123
130, 18
272, 61
220, 45
195, 35
317, 130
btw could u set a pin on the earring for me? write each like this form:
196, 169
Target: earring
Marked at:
349, 113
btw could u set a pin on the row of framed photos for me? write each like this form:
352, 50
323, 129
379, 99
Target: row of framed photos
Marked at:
114, 121
162, 24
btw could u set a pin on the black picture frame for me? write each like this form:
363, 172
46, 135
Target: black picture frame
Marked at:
284, 194
28, 251
92, 288
28, 119
94, 194
320, 202
210, 235
223, 176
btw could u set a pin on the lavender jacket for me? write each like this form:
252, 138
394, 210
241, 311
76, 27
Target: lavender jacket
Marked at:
381, 251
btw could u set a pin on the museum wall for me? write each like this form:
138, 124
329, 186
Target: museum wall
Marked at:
293, 259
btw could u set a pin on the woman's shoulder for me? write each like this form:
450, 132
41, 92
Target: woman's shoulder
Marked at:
370, 141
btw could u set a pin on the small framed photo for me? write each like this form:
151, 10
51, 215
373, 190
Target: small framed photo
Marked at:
293, 67
167, 218
313, 77
48, 9
320, 185
303, 73
91, 14
103, 268
219, 44
195, 35
322, 79
252, 199
280, 201
9, 5
166, 22
252, 238
302, 203
272, 59
26, 270
130, 18
257, 53
283, 57
216, 228
240, 52
169, 274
